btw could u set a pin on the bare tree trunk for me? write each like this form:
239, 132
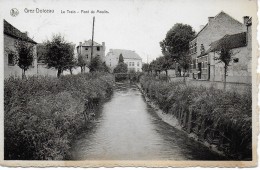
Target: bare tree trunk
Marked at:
59, 72
70, 71
225, 76
184, 76
23, 74
81, 69
166, 72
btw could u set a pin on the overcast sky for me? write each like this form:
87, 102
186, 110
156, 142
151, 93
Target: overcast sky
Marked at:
130, 24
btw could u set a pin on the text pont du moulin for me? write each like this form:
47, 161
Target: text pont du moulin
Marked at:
84, 11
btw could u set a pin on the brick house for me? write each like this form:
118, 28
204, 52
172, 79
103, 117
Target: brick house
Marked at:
131, 58
11, 36
239, 69
202, 61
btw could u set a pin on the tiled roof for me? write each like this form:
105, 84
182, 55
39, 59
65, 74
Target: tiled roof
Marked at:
89, 43
127, 54
15, 33
221, 13
229, 41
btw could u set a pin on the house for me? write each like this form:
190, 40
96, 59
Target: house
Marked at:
202, 64
240, 45
84, 49
131, 58
11, 36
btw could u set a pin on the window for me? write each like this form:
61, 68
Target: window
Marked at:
137, 63
236, 60
194, 63
86, 48
133, 63
98, 48
87, 56
11, 59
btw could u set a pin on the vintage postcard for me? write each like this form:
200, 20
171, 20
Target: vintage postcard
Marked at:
140, 83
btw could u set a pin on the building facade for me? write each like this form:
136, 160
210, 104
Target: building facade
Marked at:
11, 36
131, 58
84, 49
203, 63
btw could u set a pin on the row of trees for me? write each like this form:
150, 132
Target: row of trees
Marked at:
175, 50
57, 54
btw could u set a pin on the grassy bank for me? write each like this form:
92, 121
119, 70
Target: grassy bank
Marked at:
42, 114
220, 119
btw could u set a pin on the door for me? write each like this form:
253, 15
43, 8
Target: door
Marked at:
199, 70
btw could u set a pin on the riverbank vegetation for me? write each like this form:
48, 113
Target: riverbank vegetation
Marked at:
42, 114
218, 118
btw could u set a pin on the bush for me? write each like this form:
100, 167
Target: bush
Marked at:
42, 114
225, 117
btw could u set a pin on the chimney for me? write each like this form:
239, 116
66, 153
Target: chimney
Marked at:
80, 43
210, 19
245, 19
201, 26
26, 33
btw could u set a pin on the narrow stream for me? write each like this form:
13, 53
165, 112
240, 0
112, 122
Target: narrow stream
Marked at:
128, 129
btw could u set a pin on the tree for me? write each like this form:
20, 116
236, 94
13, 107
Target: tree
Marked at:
71, 65
96, 64
121, 59
120, 68
105, 67
25, 55
165, 63
176, 44
81, 63
59, 54
225, 57
145, 67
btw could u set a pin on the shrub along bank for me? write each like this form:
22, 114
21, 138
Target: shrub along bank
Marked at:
221, 119
42, 114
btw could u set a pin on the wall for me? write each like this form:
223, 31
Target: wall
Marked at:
87, 53
135, 67
43, 71
111, 60
217, 27
239, 72
15, 70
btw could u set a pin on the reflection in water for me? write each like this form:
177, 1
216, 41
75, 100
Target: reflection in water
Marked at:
128, 129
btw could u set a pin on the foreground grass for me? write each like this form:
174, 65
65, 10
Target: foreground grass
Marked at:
222, 119
42, 114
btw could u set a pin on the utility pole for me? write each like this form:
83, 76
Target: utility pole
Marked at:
92, 42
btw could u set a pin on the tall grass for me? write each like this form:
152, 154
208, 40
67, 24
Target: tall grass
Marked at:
42, 114
220, 118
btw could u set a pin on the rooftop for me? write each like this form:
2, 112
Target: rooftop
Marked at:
222, 13
89, 43
229, 42
127, 54
15, 33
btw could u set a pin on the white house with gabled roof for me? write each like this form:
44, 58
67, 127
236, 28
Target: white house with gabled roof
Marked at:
131, 58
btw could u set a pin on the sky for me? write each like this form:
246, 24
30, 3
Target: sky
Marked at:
129, 24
